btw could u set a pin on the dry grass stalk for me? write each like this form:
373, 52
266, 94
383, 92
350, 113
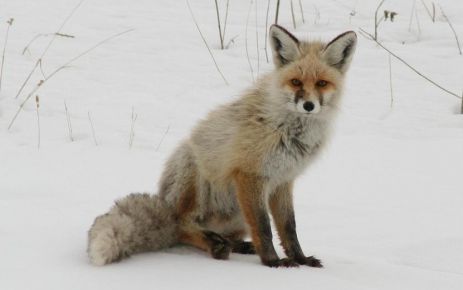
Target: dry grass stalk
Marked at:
9, 22
26, 48
41, 69
205, 43
266, 30
302, 11
231, 41
132, 128
162, 138
246, 42
378, 22
37, 106
41, 82
317, 15
218, 23
225, 21
68, 119
418, 25
292, 14
371, 37
453, 29
432, 14
390, 79
277, 11
92, 127
257, 43
47, 47
411, 16
462, 102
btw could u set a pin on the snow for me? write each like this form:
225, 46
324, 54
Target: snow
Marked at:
382, 208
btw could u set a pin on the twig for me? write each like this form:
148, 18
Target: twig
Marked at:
317, 14
225, 21
376, 19
257, 43
162, 138
231, 41
93, 128
266, 30
41, 70
132, 128
433, 14
205, 43
451, 27
37, 105
9, 22
246, 42
218, 23
277, 11
68, 119
390, 79
26, 48
47, 47
292, 14
411, 16
371, 37
418, 25
302, 11
462, 102
41, 82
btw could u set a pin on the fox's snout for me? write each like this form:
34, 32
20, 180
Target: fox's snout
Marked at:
305, 103
308, 106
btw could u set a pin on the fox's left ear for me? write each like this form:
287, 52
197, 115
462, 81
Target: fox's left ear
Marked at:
338, 53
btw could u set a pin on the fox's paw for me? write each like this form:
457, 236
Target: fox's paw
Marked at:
242, 247
220, 247
310, 261
285, 262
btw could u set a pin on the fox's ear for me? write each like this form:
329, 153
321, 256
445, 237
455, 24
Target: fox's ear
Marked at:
338, 53
285, 46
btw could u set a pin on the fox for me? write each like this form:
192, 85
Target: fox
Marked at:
237, 169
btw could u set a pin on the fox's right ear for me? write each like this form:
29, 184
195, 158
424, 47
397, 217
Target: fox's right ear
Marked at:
285, 46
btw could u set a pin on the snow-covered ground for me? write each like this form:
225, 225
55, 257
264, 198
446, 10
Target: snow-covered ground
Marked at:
383, 208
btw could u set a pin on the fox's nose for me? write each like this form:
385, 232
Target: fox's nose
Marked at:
308, 106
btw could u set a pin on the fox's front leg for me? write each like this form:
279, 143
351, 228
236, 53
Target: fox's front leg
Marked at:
250, 193
281, 205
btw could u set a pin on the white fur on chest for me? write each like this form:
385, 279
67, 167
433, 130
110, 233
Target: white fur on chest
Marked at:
297, 147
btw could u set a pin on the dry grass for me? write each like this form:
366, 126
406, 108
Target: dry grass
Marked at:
132, 128
205, 43
371, 37
453, 29
9, 22
92, 128
41, 82
68, 119
47, 48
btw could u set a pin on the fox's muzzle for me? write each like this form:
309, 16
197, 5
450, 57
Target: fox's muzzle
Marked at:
306, 106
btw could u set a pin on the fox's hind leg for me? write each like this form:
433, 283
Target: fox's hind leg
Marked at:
239, 245
211, 242
243, 247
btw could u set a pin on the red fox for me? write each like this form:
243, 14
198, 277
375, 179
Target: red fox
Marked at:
239, 165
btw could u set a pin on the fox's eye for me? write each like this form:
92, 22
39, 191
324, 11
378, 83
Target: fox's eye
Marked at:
321, 83
296, 82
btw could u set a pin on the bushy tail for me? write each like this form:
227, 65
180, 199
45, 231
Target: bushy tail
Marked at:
136, 223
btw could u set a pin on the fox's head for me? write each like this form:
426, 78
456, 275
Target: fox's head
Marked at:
309, 75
